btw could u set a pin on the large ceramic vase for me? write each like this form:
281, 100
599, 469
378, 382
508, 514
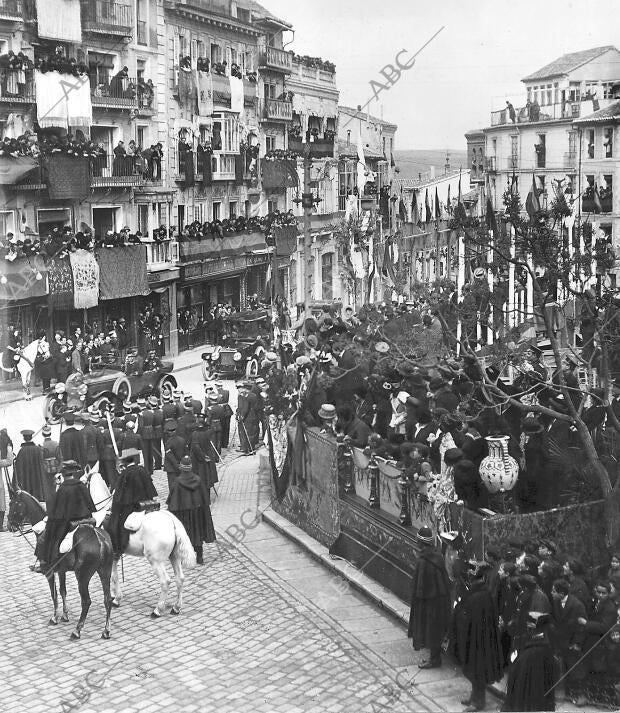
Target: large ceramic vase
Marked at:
499, 470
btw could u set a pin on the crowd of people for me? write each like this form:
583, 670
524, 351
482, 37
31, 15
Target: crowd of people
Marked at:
526, 610
176, 433
88, 349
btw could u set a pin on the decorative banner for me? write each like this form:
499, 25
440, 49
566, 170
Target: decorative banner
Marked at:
21, 279
59, 20
85, 279
122, 272
67, 177
204, 83
279, 174
60, 284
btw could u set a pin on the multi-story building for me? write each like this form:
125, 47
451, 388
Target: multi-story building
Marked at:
599, 160
537, 135
117, 42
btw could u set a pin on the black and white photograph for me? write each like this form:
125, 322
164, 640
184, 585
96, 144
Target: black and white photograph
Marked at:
309, 356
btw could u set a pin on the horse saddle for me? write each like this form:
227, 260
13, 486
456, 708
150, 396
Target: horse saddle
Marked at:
67, 543
134, 521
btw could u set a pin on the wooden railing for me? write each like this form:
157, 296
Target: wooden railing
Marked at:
277, 59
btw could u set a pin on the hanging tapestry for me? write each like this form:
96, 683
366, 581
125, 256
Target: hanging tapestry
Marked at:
68, 177
60, 284
204, 82
122, 272
85, 279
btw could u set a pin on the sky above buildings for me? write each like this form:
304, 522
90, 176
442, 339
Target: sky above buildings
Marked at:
471, 68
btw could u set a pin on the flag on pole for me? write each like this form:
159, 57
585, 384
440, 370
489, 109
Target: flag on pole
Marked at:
449, 201
490, 216
415, 211
361, 163
437, 205
598, 206
402, 210
427, 205
532, 204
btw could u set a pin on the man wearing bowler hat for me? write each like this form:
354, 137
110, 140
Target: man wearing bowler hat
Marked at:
71, 443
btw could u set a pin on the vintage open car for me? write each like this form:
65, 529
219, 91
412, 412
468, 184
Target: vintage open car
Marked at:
108, 385
240, 354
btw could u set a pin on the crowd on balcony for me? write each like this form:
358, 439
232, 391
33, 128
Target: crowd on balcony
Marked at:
314, 62
204, 64
60, 242
59, 62
234, 226
14, 72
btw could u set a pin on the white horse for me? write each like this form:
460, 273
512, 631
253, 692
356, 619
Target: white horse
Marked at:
159, 536
24, 363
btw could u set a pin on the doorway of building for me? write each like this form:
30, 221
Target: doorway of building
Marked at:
105, 219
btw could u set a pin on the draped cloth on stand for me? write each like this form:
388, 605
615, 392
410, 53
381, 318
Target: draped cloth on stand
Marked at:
188, 95
80, 108
122, 272
59, 20
204, 83
68, 177
85, 279
60, 277
236, 94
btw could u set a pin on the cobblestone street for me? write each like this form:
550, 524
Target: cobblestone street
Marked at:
259, 631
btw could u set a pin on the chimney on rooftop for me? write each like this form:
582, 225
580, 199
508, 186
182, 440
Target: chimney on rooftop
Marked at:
359, 107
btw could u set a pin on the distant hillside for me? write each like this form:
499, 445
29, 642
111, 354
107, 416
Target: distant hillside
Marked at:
411, 163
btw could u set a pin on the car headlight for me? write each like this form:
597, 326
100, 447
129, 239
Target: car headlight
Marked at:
238, 356
214, 357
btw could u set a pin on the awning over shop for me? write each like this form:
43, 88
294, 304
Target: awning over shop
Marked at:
122, 272
222, 247
21, 279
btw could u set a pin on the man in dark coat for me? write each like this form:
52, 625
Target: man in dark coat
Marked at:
429, 617
158, 432
93, 440
186, 424
173, 453
189, 501
477, 645
353, 427
248, 418
531, 677
567, 634
202, 453
169, 409
71, 443
134, 487
215, 412
29, 471
533, 483
71, 502
224, 399
147, 434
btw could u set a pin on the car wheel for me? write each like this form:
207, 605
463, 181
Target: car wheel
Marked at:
207, 373
102, 404
251, 370
167, 385
122, 388
53, 410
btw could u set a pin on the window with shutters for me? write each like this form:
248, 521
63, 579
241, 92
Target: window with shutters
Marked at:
217, 210
216, 53
232, 209
327, 275
143, 218
226, 133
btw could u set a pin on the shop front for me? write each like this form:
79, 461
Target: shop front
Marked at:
206, 284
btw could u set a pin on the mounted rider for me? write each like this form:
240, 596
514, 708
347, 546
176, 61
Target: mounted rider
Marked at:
133, 490
72, 502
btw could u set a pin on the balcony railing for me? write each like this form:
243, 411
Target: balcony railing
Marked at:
278, 110
11, 9
147, 100
548, 112
513, 162
12, 92
277, 59
159, 255
116, 94
107, 17
490, 164
123, 171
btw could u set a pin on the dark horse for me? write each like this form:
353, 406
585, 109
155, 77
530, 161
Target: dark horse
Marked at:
91, 552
